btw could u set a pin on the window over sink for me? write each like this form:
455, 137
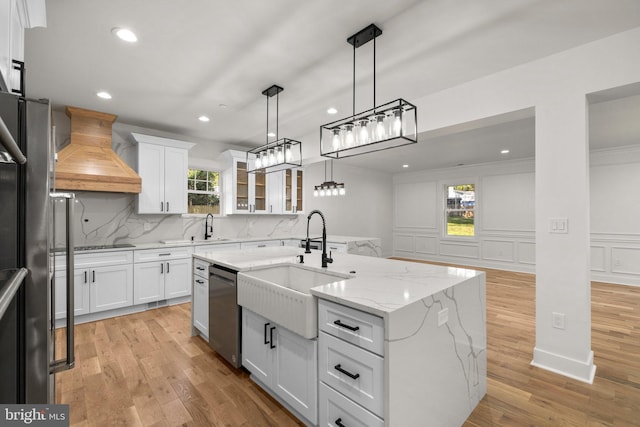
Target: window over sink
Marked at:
203, 191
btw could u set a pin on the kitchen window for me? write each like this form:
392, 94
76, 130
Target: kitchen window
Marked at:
460, 205
203, 191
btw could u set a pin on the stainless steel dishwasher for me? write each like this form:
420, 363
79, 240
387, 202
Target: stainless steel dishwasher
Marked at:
224, 314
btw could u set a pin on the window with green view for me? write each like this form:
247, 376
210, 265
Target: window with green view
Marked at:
460, 209
203, 191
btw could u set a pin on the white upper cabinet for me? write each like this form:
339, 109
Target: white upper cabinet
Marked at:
15, 16
162, 165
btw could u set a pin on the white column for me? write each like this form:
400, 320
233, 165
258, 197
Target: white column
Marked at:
563, 287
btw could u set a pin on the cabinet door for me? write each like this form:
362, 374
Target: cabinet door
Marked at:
81, 294
151, 170
175, 180
242, 200
258, 181
288, 191
177, 275
111, 287
299, 206
201, 304
275, 192
256, 351
149, 282
295, 374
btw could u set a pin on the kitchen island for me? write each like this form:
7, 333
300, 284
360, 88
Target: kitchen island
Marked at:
433, 354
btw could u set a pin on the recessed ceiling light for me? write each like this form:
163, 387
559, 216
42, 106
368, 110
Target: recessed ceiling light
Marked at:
332, 111
405, 166
222, 105
504, 152
125, 34
204, 119
271, 134
104, 95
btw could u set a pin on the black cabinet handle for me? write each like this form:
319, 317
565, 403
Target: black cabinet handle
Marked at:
342, 325
200, 281
271, 344
266, 341
339, 423
167, 268
347, 373
161, 206
93, 275
85, 276
167, 206
200, 268
162, 268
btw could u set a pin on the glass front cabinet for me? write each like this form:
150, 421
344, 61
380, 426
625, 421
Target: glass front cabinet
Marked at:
260, 193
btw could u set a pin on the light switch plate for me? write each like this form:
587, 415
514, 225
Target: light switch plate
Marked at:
559, 225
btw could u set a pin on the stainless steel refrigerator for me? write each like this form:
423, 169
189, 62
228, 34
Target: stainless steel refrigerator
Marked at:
27, 170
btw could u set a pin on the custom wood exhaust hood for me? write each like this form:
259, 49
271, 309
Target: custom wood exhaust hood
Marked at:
89, 163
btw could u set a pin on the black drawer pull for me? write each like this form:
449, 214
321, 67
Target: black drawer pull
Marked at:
200, 281
266, 341
347, 373
342, 325
339, 423
200, 268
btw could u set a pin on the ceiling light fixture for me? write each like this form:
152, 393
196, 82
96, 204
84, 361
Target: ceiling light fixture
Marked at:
384, 126
104, 95
276, 155
504, 152
329, 188
332, 111
405, 166
125, 34
204, 119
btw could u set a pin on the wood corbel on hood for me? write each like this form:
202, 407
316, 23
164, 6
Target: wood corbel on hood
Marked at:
89, 163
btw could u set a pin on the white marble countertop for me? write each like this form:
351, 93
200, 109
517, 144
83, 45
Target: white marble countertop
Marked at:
377, 285
216, 241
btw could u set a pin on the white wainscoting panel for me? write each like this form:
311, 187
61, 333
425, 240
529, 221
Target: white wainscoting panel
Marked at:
527, 253
459, 250
403, 243
498, 250
598, 261
414, 205
426, 245
625, 260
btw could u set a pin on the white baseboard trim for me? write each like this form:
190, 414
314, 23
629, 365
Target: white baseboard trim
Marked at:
584, 371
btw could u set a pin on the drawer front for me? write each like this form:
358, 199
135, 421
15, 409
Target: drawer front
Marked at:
201, 268
101, 259
354, 372
357, 327
162, 254
335, 409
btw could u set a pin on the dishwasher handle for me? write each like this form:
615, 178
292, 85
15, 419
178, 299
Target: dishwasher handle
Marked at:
223, 274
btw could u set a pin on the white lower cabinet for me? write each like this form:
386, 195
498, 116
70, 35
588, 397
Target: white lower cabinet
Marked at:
103, 281
161, 274
200, 295
350, 366
283, 362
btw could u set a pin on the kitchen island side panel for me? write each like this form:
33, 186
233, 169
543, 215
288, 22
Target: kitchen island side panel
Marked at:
437, 374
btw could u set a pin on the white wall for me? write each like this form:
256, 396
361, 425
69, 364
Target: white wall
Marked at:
505, 216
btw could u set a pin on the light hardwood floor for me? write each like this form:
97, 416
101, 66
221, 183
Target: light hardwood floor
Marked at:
145, 369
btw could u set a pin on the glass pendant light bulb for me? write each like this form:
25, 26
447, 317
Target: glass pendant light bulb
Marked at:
258, 161
288, 155
321, 191
315, 192
334, 191
272, 157
363, 135
380, 132
335, 140
341, 191
349, 139
280, 155
371, 128
396, 126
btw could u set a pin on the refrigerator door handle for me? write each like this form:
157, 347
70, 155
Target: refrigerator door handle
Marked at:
69, 362
10, 145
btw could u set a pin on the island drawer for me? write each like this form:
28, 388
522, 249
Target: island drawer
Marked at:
334, 407
355, 326
353, 371
201, 268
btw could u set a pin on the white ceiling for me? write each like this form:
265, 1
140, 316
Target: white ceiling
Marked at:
193, 55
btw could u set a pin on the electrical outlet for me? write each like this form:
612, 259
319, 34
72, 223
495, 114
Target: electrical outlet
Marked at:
146, 226
558, 320
558, 225
443, 316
